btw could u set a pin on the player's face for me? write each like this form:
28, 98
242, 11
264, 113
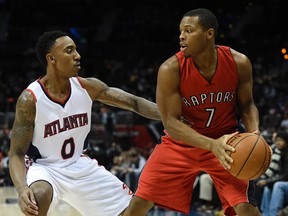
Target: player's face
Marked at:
193, 39
66, 57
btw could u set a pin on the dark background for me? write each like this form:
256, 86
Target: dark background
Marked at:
124, 42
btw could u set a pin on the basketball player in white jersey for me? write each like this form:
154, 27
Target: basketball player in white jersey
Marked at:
53, 117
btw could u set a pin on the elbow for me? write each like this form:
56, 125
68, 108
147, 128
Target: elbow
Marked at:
172, 129
10, 154
15, 154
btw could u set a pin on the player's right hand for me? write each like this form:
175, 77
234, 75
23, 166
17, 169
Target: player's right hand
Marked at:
27, 202
221, 150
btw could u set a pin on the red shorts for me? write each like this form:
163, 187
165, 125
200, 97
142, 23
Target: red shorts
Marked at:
169, 174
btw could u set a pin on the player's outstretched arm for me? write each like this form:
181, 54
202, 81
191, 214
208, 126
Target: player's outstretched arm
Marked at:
117, 97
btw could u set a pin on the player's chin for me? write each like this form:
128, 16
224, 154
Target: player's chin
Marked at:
186, 55
74, 75
75, 71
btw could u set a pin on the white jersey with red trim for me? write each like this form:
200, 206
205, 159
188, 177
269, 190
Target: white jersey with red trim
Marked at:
61, 127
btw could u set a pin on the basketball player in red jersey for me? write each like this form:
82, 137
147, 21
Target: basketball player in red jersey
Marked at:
205, 83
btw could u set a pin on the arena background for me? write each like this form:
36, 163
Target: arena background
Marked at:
124, 42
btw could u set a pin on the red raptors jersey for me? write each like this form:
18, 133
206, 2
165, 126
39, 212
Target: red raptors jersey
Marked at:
210, 106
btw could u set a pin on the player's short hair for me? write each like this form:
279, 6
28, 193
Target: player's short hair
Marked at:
44, 44
207, 19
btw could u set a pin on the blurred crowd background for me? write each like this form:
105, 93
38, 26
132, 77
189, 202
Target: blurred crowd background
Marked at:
123, 43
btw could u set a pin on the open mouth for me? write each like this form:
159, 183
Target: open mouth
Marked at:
182, 48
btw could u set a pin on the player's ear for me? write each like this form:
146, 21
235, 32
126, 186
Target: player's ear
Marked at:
210, 33
49, 58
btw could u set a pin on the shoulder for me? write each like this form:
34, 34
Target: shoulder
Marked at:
244, 66
25, 106
169, 74
240, 58
93, 86
90, 81
170, 65
27, 97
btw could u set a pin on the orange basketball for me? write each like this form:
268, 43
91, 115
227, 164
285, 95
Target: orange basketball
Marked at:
252, 156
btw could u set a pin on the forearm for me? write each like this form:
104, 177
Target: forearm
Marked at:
121, 99
147, 109
180, 131
17, 171
250, 118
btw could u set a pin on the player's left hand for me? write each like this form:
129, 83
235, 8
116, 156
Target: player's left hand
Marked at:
257, 132
27, 201
222, 149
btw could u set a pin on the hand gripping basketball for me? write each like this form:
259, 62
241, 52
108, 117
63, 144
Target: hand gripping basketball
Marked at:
252, 156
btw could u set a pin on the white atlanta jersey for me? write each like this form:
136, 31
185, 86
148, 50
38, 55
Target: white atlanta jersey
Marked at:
61, 127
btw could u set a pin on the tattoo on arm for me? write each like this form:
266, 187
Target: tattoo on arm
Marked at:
139, 105
118, 98
24, 121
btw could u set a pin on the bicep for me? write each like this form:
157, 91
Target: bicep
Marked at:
22, 129
118, 98
167, 94
101, 92
245, 83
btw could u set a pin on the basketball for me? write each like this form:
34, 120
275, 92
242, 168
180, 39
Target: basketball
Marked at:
252, 156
